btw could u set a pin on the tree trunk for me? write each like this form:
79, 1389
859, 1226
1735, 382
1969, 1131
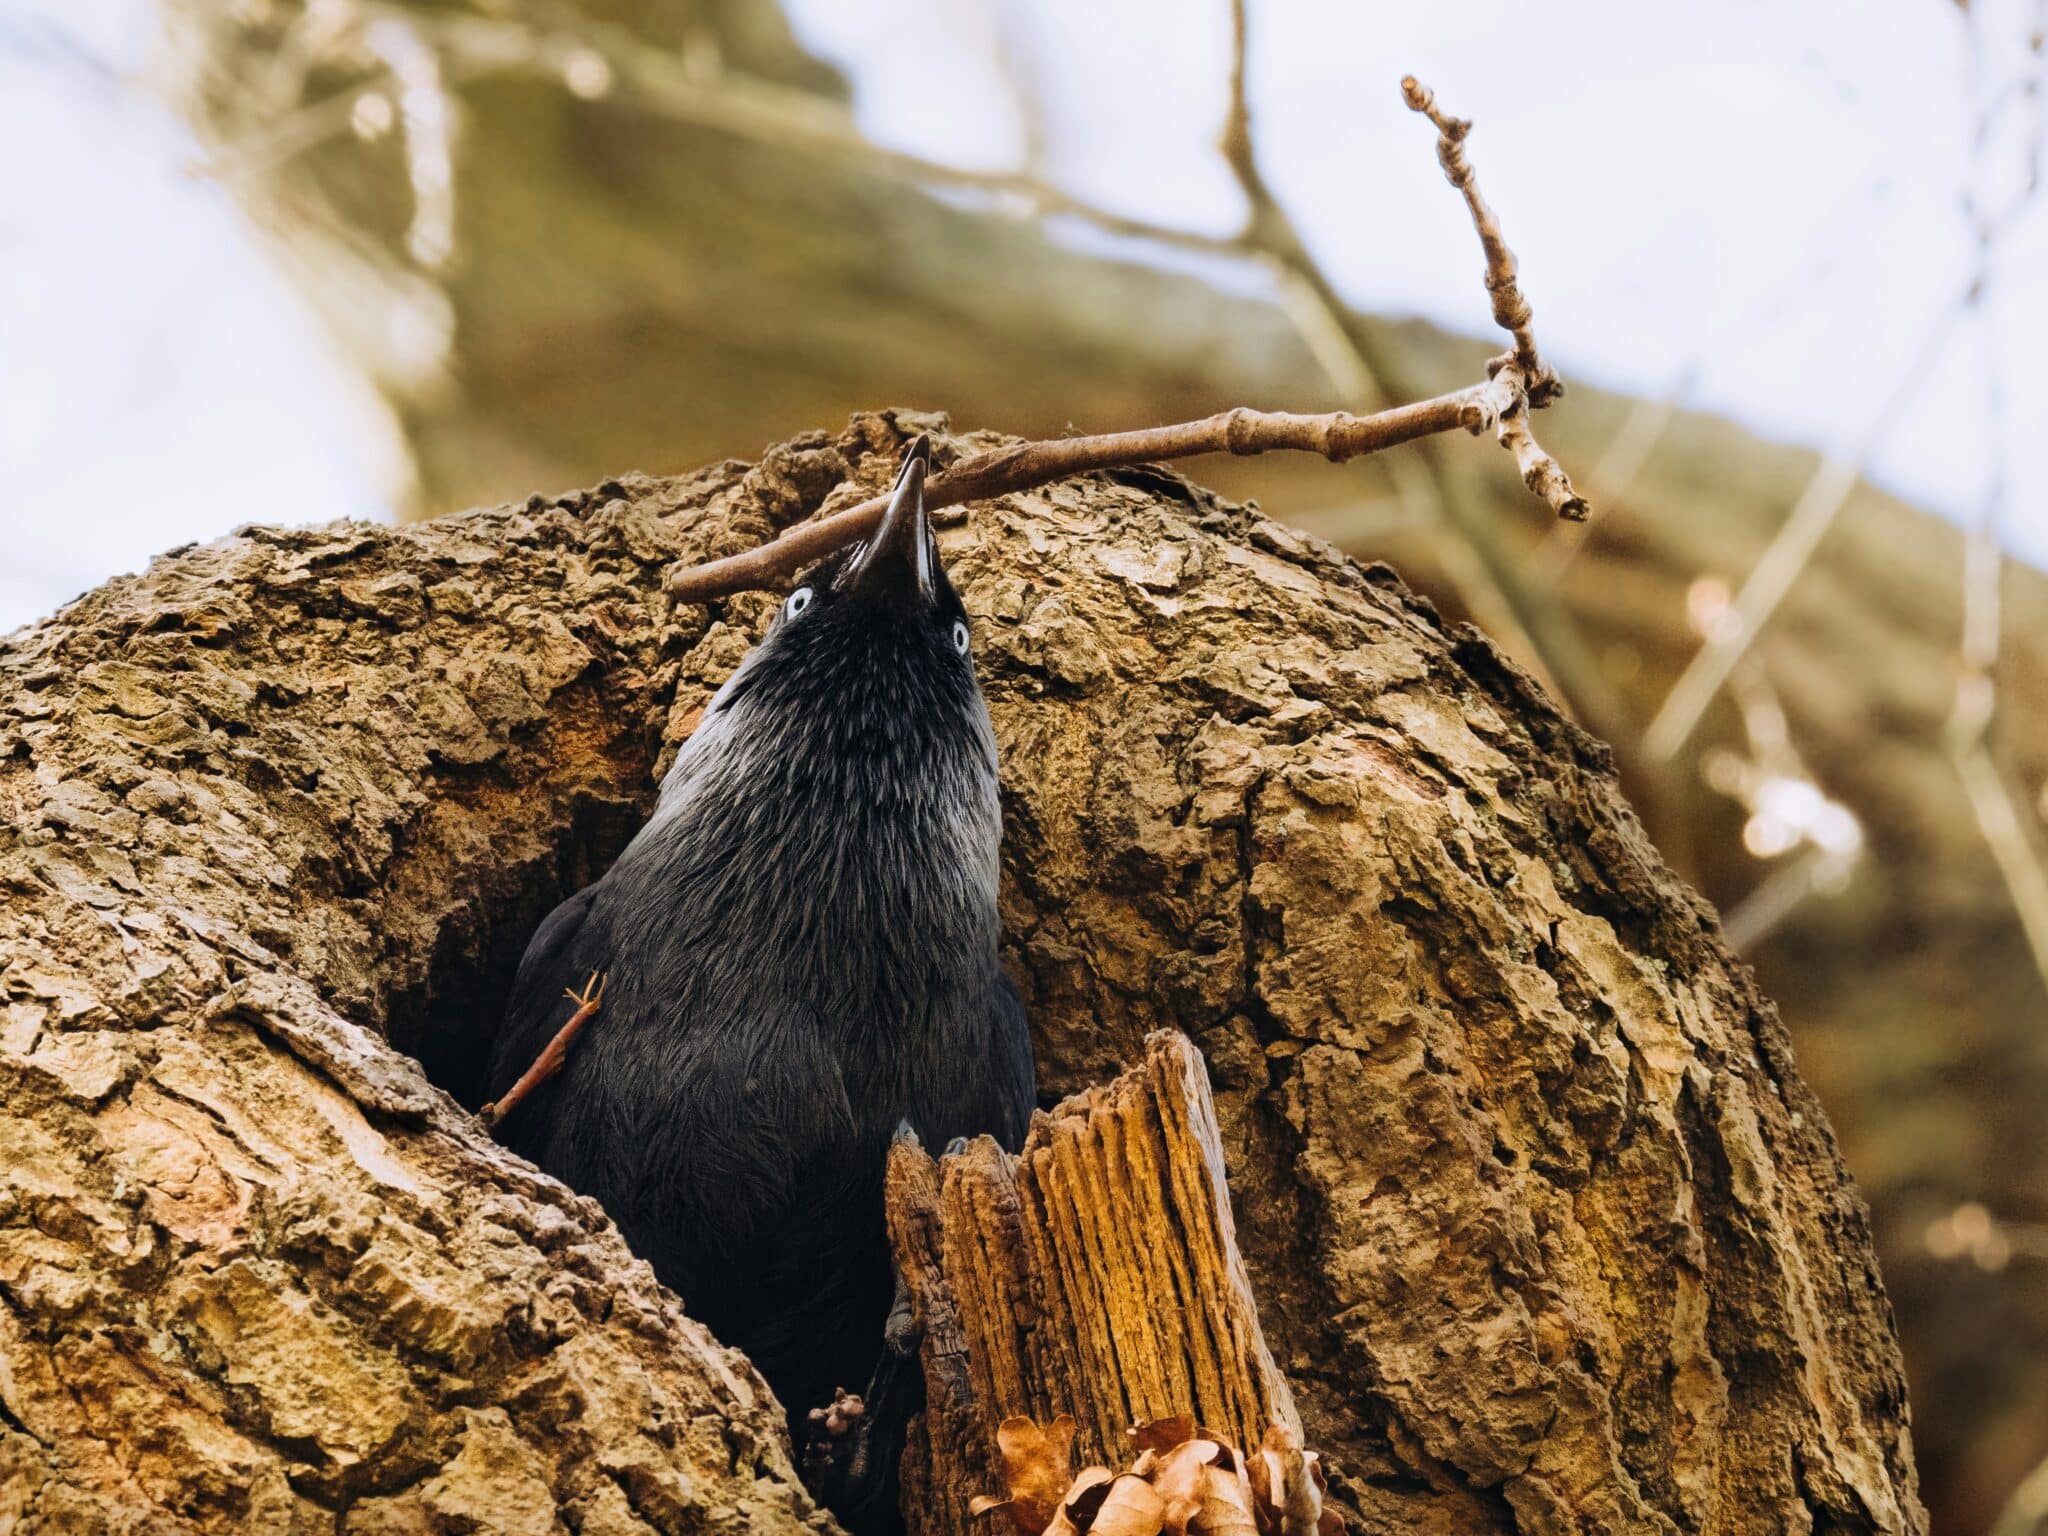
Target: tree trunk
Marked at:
1546, 1234
1095, 1275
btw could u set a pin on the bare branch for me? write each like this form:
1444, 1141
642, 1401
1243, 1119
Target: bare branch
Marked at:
682, 88
1337, 436
1535, 385
1540, 470
1511, 310
1498, 594
1502, 404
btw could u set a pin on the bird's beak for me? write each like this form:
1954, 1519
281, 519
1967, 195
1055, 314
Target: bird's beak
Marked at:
897, 563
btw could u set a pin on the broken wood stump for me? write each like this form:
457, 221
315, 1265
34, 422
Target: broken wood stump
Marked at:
1096, 1273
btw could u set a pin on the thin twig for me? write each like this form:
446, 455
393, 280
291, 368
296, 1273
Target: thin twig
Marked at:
1502, 404
1490, 584
672, 85
1511, 310
681, 88
553, 1054
1488, 580
1521, 373
1336, 436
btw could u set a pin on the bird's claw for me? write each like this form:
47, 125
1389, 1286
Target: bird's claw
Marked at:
592, 993
852, 1444
838, 1416
835, 1450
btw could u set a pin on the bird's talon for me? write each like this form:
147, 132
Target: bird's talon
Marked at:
592, 993
842, 1414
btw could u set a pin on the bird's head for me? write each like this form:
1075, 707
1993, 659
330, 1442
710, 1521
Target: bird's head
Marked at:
868, 665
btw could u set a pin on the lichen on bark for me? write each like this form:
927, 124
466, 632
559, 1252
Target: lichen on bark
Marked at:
1545, 1230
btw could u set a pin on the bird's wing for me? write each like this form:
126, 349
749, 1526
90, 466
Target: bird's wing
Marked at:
755, 1192
560, 956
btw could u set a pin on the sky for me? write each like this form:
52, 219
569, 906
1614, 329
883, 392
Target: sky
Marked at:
160, 377
1757, 205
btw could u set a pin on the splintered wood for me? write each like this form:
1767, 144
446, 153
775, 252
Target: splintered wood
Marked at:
1094, 1274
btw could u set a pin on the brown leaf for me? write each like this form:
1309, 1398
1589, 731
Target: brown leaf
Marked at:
1328, 1522
1036, 1464
1091, 1486
1177, 1477
1284, 1487
1226, 1505
1187, 1480
1132, 1508
1164, 1434
1264, 1478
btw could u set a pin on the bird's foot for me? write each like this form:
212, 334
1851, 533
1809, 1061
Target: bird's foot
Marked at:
591, 996
956, 1146
836, 1447
554, 1053
852, 1444
837, 1417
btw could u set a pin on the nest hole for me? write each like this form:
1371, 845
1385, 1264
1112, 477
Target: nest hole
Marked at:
449, 1021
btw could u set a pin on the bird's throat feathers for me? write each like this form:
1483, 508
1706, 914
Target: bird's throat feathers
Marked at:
858, 833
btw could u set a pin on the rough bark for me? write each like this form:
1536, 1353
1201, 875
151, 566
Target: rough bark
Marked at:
1545, 1231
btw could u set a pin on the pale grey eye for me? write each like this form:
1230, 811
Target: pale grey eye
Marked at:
960, 637
799, 600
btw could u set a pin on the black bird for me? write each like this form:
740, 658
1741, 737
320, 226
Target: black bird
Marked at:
799, 952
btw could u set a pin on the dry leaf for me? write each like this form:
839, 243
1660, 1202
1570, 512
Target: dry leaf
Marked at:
1035, 1467
1187, 1480
1081, 1502
1164, 1434
1264, 1479
1132, 1508
1329, 1522
1178, 1479
1226, 1504
1285, 1493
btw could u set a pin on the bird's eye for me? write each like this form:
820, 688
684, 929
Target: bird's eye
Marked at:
799, 600
960, 637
